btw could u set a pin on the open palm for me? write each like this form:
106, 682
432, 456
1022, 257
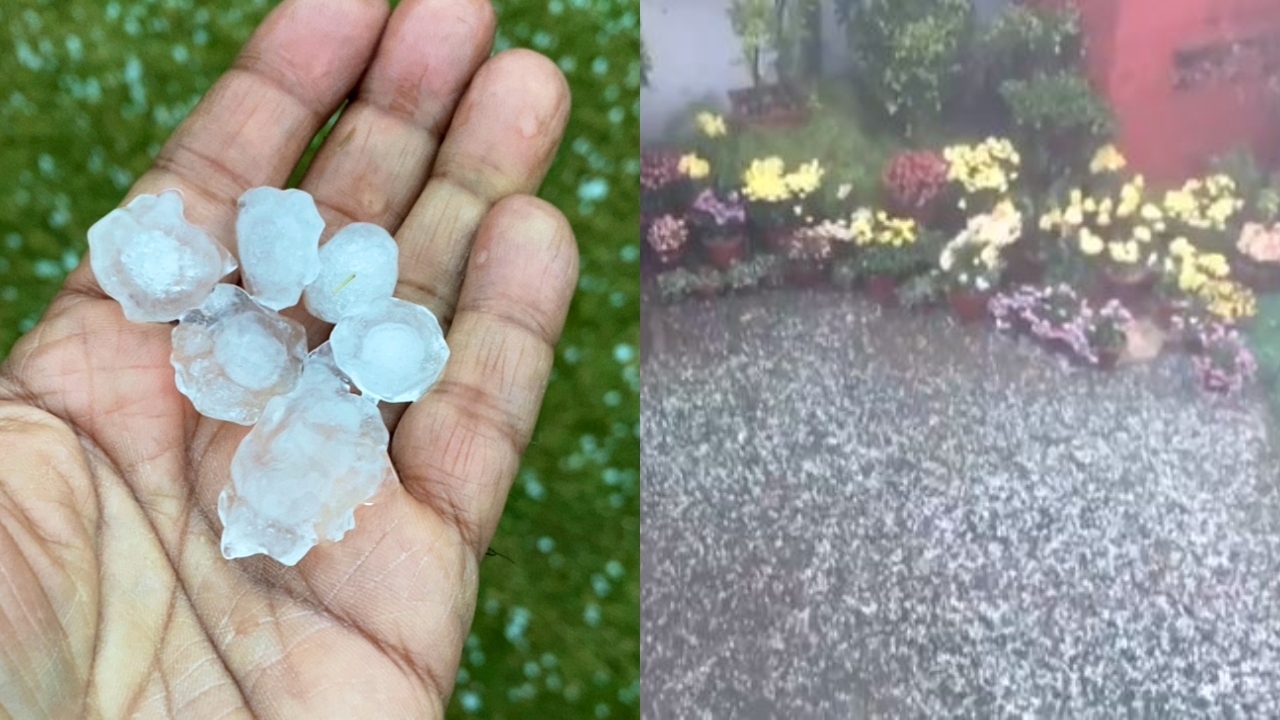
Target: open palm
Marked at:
114, 598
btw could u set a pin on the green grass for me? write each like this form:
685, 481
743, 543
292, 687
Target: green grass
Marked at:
88, 92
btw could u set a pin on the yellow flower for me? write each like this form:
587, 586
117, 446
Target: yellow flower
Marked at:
1151, 213
1181, 248
763, 181
1142, 233
1124, 252
711, 124
1228, 300
1074, 216
990, 256
1222, 209
1051, 220
694, 167
1214, 264
1189, 280
805, 180
1107, 160
1090, 243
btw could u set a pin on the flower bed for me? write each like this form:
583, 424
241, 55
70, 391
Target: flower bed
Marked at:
1128, 264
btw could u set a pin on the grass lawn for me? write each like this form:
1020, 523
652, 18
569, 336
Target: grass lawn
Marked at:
88, 92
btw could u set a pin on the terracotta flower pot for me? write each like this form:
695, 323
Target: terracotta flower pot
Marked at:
969, 306
882, 290
724, 250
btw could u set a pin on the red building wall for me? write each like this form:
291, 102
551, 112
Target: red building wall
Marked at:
1188, 79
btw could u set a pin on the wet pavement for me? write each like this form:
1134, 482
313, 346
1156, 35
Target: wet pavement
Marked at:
855, 513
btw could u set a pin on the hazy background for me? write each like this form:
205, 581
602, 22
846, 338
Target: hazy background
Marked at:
88, 92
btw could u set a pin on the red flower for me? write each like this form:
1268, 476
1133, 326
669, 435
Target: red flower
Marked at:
915, 178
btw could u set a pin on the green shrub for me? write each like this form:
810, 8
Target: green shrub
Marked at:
1026, 41
910, 54
771, 26
1059, 121
839, 135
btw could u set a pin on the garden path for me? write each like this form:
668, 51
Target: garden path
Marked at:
853, 513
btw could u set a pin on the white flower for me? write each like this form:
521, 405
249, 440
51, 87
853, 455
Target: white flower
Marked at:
982, 284
843, 191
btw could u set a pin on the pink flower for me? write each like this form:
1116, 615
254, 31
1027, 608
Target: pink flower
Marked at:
668, 234
1259, 243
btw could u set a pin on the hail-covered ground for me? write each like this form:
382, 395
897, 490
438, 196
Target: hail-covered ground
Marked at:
856, 513
90, 89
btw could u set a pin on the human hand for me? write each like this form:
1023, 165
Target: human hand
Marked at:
114, 597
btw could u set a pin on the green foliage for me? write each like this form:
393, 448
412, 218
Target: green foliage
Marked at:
922, 291
1264, 340
756, 27
1058, 121
839, 135
1026, 41
1057, 105
910, 54
1259, 189
89, 89
899, 262
778, 27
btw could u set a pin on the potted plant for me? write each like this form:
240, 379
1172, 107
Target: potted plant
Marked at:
1203, 280
721, 220
1108, 332
664, 187
983, 175
1114, 227
1055, 316
668, 237
913, 182
910, 55
973, 263
777, 200
809, 254
1058, 115
1224, 362
1042, 311
887, 251
776, 27
1258, 261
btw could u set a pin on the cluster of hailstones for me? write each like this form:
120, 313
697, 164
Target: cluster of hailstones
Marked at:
318, 445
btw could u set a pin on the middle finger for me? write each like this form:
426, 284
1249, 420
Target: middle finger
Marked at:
376, 161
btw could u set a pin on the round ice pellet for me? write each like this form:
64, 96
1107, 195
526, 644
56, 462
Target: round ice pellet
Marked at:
358, 266
392, 350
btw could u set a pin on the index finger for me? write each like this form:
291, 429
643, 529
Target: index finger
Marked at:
254, 124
